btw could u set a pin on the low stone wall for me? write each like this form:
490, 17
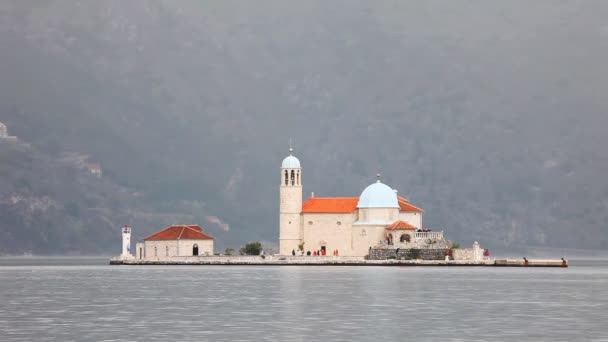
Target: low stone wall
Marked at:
406, 254
463, 254
468, 253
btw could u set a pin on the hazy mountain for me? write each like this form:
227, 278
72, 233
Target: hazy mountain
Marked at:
491, 116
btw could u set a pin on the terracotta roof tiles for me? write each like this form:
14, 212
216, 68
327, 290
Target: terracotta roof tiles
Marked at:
405, 205
330, 205
179, 232
400, 225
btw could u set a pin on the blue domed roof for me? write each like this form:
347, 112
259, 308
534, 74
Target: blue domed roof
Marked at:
378, 195
290, 162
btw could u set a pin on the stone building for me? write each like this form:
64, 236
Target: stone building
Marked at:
94, 169
4, 133
175, 241
351, 225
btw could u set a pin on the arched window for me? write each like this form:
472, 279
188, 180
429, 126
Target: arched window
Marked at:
405, 238
286, 177
166, 250
298, 178
195, 249
155, 251
293, 177
141, 252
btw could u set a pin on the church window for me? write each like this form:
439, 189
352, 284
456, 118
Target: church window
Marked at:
310, 223
405, 238
286, 178
298, 178
166, 250
293, 177
155, 251
195, 250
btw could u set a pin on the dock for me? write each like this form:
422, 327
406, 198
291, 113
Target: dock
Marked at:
275, 260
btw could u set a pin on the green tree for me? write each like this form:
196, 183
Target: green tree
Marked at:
251, 248
229, 251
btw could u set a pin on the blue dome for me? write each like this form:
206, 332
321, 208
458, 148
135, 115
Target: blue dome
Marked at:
290, 162
378, 195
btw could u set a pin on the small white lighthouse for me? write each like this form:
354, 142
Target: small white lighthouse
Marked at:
126, 242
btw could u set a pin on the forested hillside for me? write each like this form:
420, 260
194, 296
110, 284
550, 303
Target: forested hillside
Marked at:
490, 116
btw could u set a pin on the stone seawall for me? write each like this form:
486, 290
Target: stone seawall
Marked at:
406, 254
279, 260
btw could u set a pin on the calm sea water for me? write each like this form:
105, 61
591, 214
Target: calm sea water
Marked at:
86, 300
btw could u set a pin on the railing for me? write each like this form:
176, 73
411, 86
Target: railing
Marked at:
429, 235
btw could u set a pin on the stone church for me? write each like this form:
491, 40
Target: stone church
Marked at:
351, 225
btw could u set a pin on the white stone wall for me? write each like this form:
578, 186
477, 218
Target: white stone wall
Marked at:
139, 250
474, 253
413, 218
334, 229
388, 215
366, 236
205, 247
167, 249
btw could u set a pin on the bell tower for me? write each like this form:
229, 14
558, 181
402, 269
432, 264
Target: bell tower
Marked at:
290, 208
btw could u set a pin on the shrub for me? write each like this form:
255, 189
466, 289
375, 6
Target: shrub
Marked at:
229, 251
251, 248
455, 245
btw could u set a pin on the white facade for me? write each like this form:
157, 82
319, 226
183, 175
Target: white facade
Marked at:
161, 250
175, 241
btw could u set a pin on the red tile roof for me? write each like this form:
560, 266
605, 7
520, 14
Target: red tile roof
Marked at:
400, 225
180, 232
330, 205
404, 205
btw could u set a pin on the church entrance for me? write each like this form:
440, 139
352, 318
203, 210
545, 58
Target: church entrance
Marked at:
195, 250
323, 247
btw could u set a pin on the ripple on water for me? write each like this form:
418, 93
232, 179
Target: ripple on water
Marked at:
75, 303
